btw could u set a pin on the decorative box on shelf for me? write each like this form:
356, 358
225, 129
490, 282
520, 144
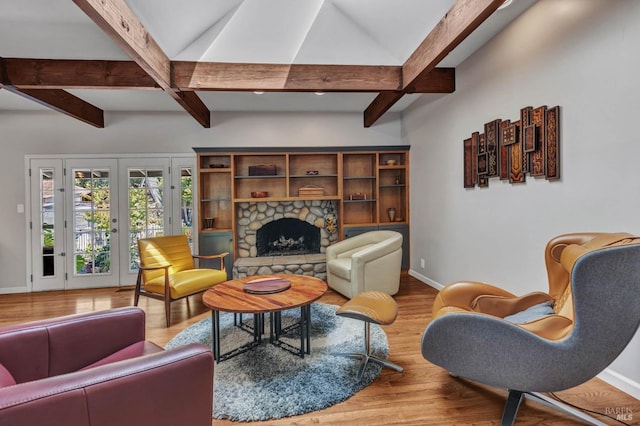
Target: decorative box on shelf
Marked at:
358, 196
263, 170
310, 191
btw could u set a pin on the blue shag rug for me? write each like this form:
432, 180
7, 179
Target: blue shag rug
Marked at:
268, 382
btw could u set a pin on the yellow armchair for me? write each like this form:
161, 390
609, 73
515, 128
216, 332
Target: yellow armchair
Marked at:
168, 272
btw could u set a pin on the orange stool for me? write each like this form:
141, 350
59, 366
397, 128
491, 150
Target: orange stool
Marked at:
371, 307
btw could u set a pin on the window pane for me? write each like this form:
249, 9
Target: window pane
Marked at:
47, 214
146, 208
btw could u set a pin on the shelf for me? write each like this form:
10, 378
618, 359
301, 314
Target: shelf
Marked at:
312, 176
395, 185
358, 177
261, 177
216, 170
372, 200
214, 230
268, 199
361, 225
394, 167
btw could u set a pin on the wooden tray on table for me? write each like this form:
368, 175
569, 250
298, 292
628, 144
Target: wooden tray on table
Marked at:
267, 285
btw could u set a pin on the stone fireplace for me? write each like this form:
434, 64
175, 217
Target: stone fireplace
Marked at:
284, 237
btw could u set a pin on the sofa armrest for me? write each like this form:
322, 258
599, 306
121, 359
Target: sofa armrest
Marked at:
40, 349
166, 388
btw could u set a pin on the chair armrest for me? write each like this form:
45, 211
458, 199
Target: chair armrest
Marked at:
461, 294
161, 265
210, 256
377, 250
49, 347
501, 306
220, 256
335, 249
167, 388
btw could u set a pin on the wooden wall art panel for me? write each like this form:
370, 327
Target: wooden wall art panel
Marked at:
538, 155
504, 151
553, 143
511, 150
468, 164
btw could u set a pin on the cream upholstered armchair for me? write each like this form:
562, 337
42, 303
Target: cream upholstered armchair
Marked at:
369, 261
542, 342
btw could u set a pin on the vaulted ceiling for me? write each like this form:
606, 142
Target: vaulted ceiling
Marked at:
203, 56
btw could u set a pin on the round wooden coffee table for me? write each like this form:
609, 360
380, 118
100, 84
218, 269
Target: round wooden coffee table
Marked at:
230, 296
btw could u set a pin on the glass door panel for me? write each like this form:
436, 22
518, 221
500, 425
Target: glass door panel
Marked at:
146, 208
182, 190
92, 226
47, 224
143, 189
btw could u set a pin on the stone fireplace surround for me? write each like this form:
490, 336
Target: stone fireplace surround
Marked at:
253, 216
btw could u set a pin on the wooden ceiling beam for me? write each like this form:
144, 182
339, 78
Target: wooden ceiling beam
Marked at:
123, 26
438, 80
55, 99
285, 77
63, 102
379, 106
76, 74
28, 73
460, 21
464, 17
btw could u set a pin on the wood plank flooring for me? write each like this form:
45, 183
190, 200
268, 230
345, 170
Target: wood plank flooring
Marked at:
422, 395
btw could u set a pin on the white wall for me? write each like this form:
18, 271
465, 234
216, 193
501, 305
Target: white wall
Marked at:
580, 54
23, 133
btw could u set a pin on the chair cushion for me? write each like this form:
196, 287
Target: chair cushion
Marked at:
6, 379
371, 306
340, 267
188, 282
532, 313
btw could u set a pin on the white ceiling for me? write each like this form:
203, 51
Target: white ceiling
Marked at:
350, 32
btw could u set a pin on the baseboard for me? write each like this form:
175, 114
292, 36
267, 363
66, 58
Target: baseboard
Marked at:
621, 382
425, 280
11, 290
616, 380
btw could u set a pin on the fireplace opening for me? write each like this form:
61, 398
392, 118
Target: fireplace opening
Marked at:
287, 237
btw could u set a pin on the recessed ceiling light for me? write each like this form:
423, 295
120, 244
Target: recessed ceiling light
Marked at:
505, 4
258, 92
319, 93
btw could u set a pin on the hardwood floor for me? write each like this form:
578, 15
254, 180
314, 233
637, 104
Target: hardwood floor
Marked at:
422, 395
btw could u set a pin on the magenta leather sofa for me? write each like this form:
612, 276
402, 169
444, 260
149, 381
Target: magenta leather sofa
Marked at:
97, 369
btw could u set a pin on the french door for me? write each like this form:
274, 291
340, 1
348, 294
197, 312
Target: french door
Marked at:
92, 226
143, 190
87, 215
47, 224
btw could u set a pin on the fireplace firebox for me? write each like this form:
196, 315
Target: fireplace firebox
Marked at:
287, 236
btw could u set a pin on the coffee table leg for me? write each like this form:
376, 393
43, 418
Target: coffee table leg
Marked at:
308, 328
258, 326
215, 334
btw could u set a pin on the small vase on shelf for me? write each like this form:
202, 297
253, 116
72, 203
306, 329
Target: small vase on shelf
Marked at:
392, 214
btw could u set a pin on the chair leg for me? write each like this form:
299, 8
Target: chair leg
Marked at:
511, 407
535, 396
366, 357
136, 297
167, 309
